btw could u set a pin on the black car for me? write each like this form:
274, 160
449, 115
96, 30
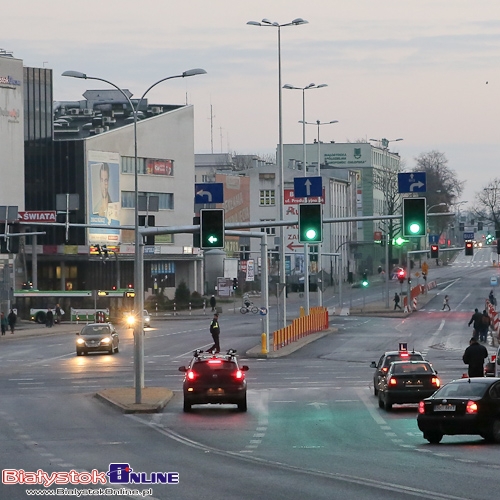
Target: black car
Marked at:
214, 379
407, 382
385, 361
463, 406
97, 337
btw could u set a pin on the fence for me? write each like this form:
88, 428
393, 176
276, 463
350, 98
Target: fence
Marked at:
315, 321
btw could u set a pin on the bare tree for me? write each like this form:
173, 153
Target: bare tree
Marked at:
487, 204
443, 186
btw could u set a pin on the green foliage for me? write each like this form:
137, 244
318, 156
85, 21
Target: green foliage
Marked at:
182, 293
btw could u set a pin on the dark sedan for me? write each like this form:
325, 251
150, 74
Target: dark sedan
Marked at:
97, 337
407, 382
464, 406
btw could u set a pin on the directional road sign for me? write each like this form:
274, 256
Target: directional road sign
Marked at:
304, 187
468, 236
210, 192
412, 182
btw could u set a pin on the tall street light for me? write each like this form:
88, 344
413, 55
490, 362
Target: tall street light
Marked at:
138, 262
268, 23
304, 168
384, 144
318, 123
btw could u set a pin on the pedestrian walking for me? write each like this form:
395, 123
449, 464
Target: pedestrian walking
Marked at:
396, 300
12, 318
477, 319
483, 336
212, 302
49, 319
446, 303
474, 356
59, 312
215, 331
492, 299
4, 323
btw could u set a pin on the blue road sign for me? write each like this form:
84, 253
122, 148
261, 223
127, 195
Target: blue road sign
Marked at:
304, 187
210, 192
468, 236
434, 238
412, 182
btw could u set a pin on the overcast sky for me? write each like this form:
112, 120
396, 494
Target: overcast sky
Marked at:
427, 71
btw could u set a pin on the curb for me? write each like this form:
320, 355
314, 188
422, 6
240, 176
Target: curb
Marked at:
123, 398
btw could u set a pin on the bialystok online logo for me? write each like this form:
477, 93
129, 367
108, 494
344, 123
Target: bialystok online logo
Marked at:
118, 473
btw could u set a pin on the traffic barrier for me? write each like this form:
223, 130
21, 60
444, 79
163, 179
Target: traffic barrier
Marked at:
415, 303
316, 321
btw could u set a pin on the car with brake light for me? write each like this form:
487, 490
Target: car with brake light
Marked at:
467, 406
97, 337
407, 382
387, 358
214, 379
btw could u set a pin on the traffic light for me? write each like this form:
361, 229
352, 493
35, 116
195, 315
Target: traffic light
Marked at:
235, 283
414, 216
498, 246
310, 223
401, 276
212, 228
364, 281
469, 248
479, 226
434, 252
461, 226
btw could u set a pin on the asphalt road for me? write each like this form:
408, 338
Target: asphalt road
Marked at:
313, 428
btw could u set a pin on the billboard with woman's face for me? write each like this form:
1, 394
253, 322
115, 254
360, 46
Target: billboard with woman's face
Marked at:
103, 174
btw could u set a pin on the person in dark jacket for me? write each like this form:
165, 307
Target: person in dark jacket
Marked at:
474, 356
477, 319
12, 318
212, 302
483, 336
49, 319
215, 331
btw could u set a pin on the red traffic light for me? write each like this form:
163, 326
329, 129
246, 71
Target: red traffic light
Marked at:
401, 275
469, 248
434, 251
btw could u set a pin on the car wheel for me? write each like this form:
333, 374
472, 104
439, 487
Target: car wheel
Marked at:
78, 352
242, 405
111, 350
493, 435
380, 402
433, 437
186, 407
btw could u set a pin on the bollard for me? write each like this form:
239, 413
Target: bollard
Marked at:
190, 309
204, 307
175, 308
263, 338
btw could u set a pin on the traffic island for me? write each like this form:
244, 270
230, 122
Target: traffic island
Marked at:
154, 399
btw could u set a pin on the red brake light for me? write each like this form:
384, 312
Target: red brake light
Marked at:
421, 407
190, 375
435, 381
404, 354
238, 375
471, 407
214, 361
393, 381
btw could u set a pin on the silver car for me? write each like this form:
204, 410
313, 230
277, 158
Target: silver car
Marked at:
97, 337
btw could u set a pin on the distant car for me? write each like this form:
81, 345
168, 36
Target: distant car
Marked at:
146, 318
214, 379
97, 337
467, 406
130, 319
385, 361
407, 382
493, 281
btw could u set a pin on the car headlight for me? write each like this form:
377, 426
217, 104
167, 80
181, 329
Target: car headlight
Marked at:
106, 340
80, 341
130, 320
147, 319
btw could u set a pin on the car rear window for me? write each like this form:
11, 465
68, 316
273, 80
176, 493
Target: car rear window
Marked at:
409, 368
396, 357
461, 390
206, 367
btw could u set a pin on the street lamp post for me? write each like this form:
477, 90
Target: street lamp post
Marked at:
282, 272
138, 262
304, 168
384, 143
318, 123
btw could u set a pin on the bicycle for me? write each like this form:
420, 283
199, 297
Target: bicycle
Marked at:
249, 308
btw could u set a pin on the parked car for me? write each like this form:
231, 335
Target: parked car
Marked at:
97, 337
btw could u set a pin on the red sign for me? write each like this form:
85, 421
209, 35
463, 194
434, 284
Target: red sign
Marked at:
290, 199
160, 167
38, 216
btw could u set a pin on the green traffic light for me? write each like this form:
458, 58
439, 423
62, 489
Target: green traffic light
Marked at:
414, 228
311, 234
364, 283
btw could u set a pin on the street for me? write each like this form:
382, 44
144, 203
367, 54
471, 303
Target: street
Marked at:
313, 427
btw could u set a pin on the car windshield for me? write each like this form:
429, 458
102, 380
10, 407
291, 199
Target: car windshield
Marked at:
95, 330
145, 313
466, 390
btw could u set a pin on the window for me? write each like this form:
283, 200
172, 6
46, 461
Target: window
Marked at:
267, 197
269, 230
128, 165
166, 200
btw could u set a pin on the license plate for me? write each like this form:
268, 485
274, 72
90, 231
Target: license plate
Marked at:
411, 383
445, 408
216, 392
